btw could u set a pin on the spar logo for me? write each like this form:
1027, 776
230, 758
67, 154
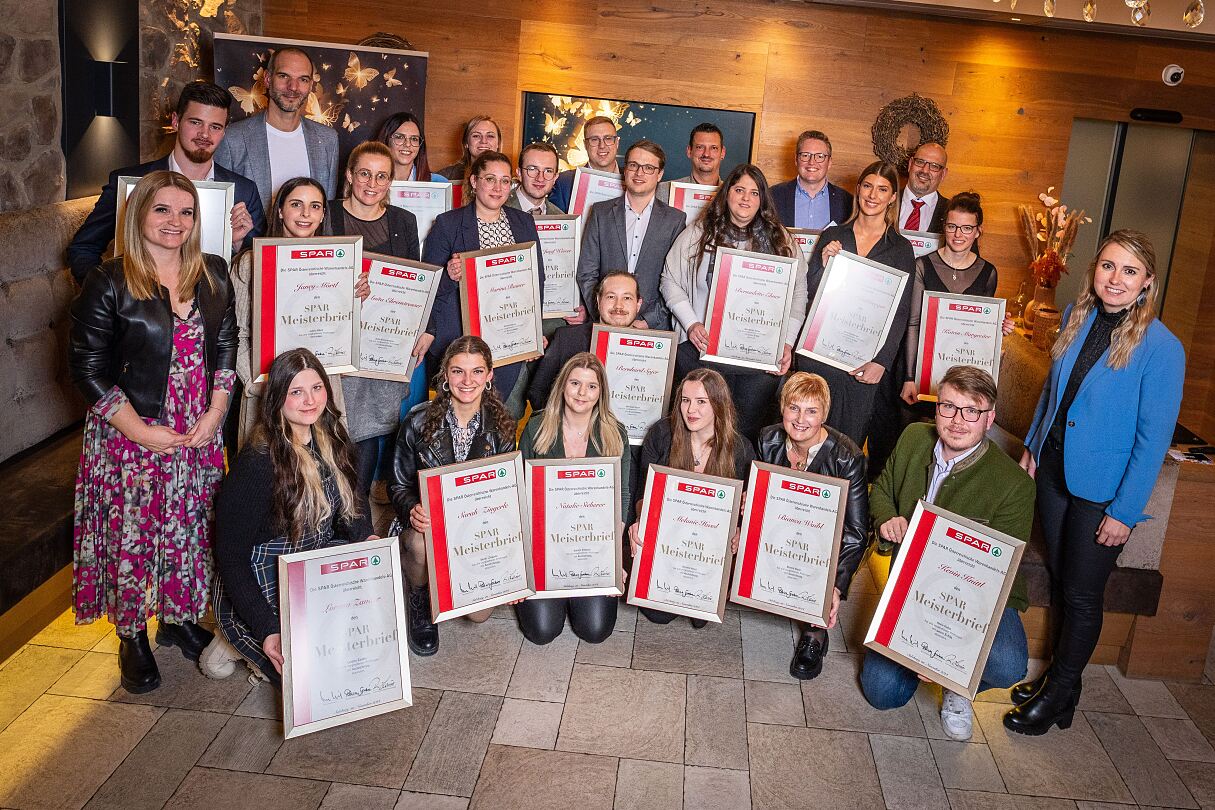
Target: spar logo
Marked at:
702, 196
589, 473
348, 565
318, 253
412, 195
763, 268
501, 260
638, 343
476, 478
969, 308
700, 489
545, 227
805, 489
408, 275
974, 542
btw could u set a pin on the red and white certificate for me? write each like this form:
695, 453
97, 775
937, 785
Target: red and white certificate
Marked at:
576, 525
303, 296
957, 330
749, 301
852, 312
425, 200
592, 186
806, 239
946, 594
560, 242
500, 301
691, 198
686, 522
343, 622
392, 317
478, 547
922, 242
640, 365
790, 542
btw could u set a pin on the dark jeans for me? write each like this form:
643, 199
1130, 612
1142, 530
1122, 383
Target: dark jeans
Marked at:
753, 392
592, 617
366, 458
1079, 566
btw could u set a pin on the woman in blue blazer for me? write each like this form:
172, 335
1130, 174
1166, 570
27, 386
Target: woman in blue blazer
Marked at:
483, 223
1096, 445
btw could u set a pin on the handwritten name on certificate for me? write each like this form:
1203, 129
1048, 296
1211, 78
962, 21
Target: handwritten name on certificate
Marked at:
392, 317
500, 298
942, 604
425, 200
592, 186
790, 541
640, 365
560, 242
576, 544
691, 198
749, 302
957, 330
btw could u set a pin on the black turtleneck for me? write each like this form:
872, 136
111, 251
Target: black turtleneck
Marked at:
1095, 343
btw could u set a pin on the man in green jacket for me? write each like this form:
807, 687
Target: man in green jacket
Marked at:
954, 466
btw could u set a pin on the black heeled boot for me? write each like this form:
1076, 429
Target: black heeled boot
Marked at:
423, 633
809, 653
1027, 689
1053, 705
188, 636
136, 664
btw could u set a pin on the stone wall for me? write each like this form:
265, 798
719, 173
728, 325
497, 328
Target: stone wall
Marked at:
31, 159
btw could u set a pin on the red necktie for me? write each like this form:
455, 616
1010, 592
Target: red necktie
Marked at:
913, 219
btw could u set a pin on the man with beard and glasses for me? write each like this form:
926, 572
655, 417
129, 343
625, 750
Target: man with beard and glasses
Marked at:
200, 120
279, 143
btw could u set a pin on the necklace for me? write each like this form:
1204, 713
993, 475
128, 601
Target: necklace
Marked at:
568, 429
955, 268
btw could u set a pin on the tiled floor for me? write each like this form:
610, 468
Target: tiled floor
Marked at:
656, 717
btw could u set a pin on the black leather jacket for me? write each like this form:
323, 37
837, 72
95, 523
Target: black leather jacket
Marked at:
837, 458
413, 454
119, 340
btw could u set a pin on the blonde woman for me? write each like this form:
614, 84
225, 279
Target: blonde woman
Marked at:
481, 134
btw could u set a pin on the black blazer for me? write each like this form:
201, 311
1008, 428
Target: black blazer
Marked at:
839, 201
117, 340
566, 342
839, 457
97, 231
402, 230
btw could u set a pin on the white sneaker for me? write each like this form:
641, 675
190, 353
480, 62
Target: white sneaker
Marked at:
219, 659
957, 716
256, 676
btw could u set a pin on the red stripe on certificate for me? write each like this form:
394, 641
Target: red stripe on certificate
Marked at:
538, 534
680, 193
580, 194
366, 265
718, 312
297, 595
438, 535
816, 326
751, 548
474, 303
930, 335
898, 597
269, 282
601, 346
650, 536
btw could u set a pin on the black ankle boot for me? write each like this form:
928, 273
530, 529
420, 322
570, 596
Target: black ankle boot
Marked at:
698, 623
1054, 704
191, 638
1024, 691
136, 664
423, 633
808, 655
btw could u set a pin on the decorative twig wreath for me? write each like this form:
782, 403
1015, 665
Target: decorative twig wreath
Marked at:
913, 109
383, 40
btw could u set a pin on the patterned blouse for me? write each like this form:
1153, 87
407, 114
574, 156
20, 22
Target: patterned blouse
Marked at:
462, 437
494, 234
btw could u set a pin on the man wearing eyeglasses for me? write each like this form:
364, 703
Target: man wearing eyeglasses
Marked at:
536, 173
809, 200
601, 142
923, 206
952, 464
633, 232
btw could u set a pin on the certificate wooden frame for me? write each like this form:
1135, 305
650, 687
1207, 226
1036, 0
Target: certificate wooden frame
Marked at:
592, 186
691, 198
645, 348
833, 291
266, 296
726, 303
474, 298
968, 554
559, 290
473, 473
371, 561
544, 477
214, 197
421, 283
934, 306
659, 479
813, 490
923, 242
426, 193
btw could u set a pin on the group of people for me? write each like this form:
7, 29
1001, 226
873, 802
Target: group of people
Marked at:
160, 348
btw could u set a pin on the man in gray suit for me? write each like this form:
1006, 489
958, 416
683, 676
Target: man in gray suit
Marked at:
632, 232
279, 143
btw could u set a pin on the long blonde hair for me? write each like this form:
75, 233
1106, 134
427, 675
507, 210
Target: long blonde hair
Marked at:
891, 175
1129, 334
721, 459
605, 427
137, 265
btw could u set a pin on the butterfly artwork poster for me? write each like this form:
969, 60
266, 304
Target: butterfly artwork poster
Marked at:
357, 86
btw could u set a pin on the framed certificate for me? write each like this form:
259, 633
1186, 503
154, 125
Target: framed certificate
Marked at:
922, 242
560, 241
576, 523
303, 295
478, 547
500, 301
852, 311
957, 330
806, 239
592, 186
392, 317
686, 523
691, 198
343, 627
215, 201
749, 300
942, 604
640, 365
790, 542
424, 200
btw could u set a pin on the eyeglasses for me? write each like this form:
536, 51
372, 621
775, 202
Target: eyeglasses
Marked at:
641, 168
601, 140
948, 409
491, 180
379, 178
813, 157
409, 140
920, 163
536, 171
953, 227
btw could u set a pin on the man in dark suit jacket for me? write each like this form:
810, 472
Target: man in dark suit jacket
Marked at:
601, 143
809, 200
922, 206
632, 232
200, 120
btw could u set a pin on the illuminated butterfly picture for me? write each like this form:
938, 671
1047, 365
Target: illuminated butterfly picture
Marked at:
356, 74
